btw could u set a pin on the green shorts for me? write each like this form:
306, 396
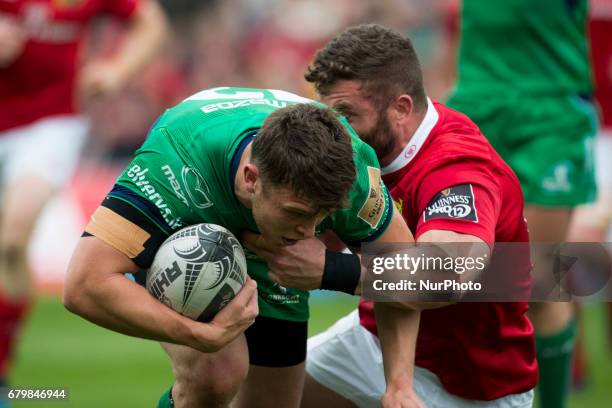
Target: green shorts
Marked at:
276, 301
546, 139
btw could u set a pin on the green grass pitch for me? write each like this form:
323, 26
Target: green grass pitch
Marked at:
99, 367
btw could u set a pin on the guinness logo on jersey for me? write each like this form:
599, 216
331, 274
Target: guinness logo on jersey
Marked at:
456, 202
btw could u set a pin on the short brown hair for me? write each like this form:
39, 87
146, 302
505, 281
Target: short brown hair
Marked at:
381, 58
306, 148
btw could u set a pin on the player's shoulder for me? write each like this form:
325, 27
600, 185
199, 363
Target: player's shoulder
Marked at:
455, 149
457, 146
208, 110
243, 106
456, 138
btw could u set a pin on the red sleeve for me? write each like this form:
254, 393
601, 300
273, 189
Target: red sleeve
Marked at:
123, 9
460, 198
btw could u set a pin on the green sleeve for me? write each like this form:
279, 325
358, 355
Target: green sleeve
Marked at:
370, 205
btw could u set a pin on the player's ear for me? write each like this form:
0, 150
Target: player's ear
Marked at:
251, 177
403, 107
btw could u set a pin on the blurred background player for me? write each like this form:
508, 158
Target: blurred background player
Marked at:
591, 223
42, 84
524, 78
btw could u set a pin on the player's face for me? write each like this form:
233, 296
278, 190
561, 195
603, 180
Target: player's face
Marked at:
283, 217
371, 124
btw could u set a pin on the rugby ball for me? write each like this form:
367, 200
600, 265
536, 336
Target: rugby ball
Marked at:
198, 270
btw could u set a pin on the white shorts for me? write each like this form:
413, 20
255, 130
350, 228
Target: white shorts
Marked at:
599, 214
603, 150
47, 149
346, 358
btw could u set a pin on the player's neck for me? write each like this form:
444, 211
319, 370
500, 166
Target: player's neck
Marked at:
239, 183
403, 137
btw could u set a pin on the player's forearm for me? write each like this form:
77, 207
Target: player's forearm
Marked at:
96, 289
147, 32
397, 332
122, 306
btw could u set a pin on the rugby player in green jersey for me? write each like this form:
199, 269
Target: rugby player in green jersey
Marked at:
524, 79
265, 161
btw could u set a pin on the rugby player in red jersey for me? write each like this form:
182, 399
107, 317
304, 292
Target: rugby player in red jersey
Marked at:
592, 222
41, 132
465, 352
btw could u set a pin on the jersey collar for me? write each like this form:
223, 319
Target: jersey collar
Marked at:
416, 142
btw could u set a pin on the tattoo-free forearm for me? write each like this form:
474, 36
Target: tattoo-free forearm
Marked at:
397, 332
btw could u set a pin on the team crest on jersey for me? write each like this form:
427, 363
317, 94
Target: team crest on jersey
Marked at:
456, 202
374, 206
197, 188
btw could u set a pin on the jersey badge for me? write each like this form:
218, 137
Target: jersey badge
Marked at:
456, 202
374, 206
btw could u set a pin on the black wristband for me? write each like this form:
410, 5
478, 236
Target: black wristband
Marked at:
341, 272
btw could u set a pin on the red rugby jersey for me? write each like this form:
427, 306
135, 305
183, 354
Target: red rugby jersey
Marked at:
480, 351
41, 81
601, 56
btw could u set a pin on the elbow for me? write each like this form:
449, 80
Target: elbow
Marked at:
165, 31
71, 299
74, 295
154, 19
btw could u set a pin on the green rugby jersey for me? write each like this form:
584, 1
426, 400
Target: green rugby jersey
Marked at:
533, 46
187, 165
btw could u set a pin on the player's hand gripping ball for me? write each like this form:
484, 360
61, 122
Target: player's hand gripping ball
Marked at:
198, 270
